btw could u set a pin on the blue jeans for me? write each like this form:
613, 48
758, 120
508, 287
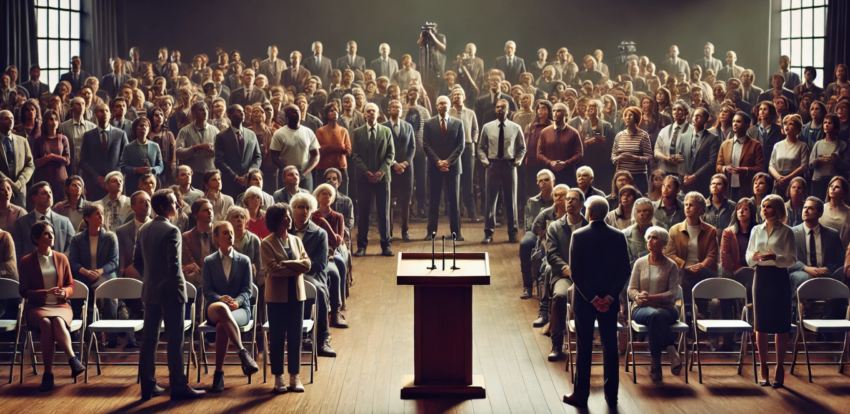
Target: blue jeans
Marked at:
658, 320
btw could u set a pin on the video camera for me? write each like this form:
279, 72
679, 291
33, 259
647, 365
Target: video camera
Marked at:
428, 28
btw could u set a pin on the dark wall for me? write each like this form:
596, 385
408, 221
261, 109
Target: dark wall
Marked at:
581, 25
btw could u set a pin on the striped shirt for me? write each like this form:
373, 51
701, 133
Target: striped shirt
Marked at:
637, 144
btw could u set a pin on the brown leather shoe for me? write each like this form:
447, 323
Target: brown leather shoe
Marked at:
338, 320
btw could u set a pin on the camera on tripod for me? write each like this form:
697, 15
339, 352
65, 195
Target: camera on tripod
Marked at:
428, 28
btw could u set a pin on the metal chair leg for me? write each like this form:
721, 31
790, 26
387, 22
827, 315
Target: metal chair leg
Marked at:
699, 357
843, 353
796, 349
33, 356
266, 356
806, 349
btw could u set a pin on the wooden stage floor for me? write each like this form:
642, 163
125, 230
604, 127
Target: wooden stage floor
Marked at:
377, 350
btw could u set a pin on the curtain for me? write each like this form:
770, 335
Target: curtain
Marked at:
837, 38
108, 35
20, 46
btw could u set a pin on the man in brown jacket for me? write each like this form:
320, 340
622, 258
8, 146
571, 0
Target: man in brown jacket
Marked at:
740, 158
696, 262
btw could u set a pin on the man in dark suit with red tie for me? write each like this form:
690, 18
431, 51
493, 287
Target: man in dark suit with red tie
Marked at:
443, 140
236, 152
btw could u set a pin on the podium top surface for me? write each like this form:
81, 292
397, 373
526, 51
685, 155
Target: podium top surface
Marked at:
414, 269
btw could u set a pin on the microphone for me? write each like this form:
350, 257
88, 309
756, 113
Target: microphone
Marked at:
433, 240
444, 251
454, 251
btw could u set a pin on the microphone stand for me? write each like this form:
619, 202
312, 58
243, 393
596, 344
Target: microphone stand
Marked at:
454, 252
433, 265
444, 251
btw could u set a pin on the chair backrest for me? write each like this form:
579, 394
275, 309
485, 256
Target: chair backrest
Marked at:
822, 288
81, 291
309, 290
191, 291
121, 288
719, 288
10, 289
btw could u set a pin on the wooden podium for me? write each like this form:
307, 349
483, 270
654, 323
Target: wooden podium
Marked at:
443, 323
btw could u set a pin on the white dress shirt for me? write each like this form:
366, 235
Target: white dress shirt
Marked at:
737, 148
780, 241
226, 262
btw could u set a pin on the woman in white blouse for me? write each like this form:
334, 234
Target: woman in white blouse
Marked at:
836, 213
212, 191
772, 250
790, 157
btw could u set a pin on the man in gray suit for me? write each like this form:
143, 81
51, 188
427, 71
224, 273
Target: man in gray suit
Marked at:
74, 128
248, 94
443, 141
319, 65
272, 67
16, 161
730, 70
510, 64
674, 65
35, 87
700, 148
42, 197
113, 82
791, 79
351, 60
101, 152
709, 61
373, 152
157, 258
296, 75
384, 65
140, 203
237, 151
750, 93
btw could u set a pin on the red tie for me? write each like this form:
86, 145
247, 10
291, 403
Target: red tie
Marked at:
103, 140
239, 141
443, 125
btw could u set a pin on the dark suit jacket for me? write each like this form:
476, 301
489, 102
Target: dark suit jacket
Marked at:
107, 255
24, 164
484, 104
315, 243
703, 165
108, 84
125, 125
157, 258
833, 249
133, 157
404, 143
238, 97
752, 158
232, 162
286, 78
599, 272
273, 75
392, 66
35, 91
768, 96
444, 147
372, 157
32, 281
95, 162
768, 142
359, 64
126, 235
75, 86
63, 230
511, 73
322, 70
752, 97
237, 286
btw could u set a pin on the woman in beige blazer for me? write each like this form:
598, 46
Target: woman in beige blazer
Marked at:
653, 289
285, 261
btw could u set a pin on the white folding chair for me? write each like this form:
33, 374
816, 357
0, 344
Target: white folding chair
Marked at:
571, 332
308, 324
188, 326
81, 292
721, 288
121, 288
249, 328
679, 327
821, 289
10, 289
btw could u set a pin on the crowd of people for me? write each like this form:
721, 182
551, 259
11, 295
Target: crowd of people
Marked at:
256, 172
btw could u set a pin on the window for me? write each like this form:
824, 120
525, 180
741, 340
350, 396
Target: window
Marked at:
58, 23
802, 34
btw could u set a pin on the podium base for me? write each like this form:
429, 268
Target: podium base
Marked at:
410, 391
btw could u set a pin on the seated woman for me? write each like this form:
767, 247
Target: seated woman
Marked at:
621, 218
762, 187
74, 203
653, 288
284, 256
836, 213
621, 178
255, 179
212, 191
256, 215
46, 284
94, 259
325, 195
796, 194
227, 294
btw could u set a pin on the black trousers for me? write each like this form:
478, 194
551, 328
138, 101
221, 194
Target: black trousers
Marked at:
401, 188
155, 315
365, 192
468, 166
285, 321
526, 246
585, 315
452, 183
501, 177
419, 178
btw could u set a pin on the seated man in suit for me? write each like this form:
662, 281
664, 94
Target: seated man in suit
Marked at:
511, 65
820, 252
533, 207
42, 197
18, 165
237, 151
198, 242
443, 141
296, 74
291, 185
101, 153
35, 87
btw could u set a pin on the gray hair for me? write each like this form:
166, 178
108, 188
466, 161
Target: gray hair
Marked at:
818, 201
659, 232
778, 204
348, 96
510, 42
585, 169
304, 198
236, 211
325, 187
684, 106
113, 174
444, 98
561, 187
562, 106
371, 105
643, 201
7, 114
252, 192
597, 208
698, 198
547, 172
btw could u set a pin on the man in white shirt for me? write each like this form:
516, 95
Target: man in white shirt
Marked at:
116, 206
295, 144
467, 157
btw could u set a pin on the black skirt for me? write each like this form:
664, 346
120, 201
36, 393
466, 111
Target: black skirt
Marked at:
772, 300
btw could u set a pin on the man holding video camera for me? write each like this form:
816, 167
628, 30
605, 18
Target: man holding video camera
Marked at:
432, 61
